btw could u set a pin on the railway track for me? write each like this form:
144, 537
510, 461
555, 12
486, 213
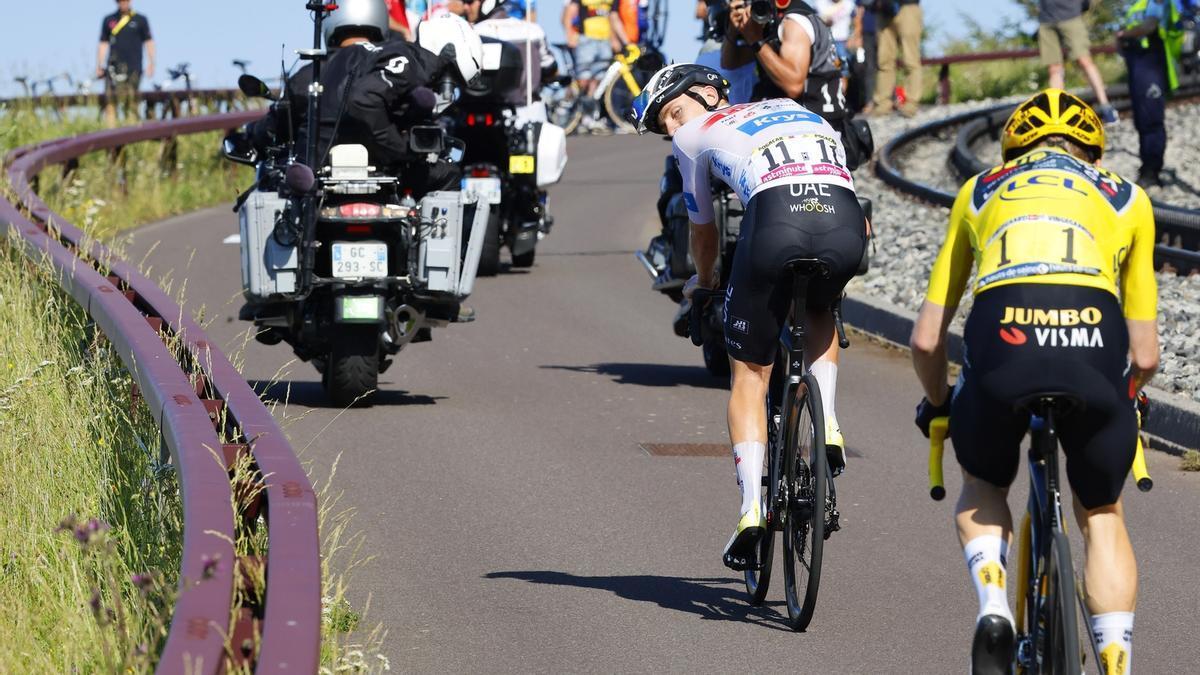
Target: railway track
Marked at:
1178, 228
210, 421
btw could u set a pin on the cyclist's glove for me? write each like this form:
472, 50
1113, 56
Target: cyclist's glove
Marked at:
927, 412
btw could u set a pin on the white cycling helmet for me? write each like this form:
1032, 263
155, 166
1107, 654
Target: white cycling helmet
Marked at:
669, 83
453, 38
366, 17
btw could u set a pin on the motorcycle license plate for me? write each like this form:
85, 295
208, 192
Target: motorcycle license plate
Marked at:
521, 164
360, 260
485, 189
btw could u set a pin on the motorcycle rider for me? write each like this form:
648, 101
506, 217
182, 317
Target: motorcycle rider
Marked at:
374, 88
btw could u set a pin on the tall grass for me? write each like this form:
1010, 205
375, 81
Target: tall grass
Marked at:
89, 520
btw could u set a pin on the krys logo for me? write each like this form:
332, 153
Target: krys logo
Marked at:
1053, 327
764, 121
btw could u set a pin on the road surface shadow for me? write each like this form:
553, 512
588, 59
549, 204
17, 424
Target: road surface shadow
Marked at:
312, 395
651, 374
714, 599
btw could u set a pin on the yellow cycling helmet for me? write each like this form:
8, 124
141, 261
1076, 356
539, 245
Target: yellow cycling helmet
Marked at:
1052, 112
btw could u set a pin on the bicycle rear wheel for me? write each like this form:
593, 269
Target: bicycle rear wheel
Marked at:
563, 106
805, 473
1062, 655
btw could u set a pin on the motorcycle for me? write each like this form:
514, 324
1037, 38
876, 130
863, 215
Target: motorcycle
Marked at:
343, 264
509, 160
668, 260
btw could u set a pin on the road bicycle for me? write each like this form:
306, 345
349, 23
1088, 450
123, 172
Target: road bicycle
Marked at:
800, 500
1047, 621
620, 84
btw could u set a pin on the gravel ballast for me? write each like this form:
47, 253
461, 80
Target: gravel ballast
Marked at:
909, 233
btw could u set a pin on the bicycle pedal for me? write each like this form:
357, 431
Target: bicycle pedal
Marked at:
742, 564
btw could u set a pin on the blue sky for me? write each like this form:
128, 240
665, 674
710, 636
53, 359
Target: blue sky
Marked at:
47, 38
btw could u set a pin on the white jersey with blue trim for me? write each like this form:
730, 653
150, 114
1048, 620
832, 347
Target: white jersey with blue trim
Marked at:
755, 146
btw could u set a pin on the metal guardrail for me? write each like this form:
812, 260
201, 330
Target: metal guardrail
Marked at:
198, 398
944, 86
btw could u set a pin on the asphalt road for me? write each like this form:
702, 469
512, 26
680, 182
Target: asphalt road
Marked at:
517, 525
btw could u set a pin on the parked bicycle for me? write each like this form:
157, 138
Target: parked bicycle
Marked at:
621, 83
800, 500
1047, 621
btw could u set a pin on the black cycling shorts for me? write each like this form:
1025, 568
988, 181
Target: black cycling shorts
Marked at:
791, 221
1026, 339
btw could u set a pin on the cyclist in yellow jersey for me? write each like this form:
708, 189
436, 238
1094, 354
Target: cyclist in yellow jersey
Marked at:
1065, 300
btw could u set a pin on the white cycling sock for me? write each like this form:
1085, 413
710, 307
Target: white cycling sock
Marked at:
826, 373
748, 460
1114, 642
987, 558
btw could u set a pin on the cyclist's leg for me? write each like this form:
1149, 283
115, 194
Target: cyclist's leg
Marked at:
1099, 445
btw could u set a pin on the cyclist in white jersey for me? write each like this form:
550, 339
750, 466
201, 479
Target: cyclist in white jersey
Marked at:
788, 168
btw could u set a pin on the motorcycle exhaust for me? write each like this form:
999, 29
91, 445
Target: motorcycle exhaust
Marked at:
403, 324
650, 269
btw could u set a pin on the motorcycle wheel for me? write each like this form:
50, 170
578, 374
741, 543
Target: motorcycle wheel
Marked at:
716, 359
352, 372
525, 259
489, 259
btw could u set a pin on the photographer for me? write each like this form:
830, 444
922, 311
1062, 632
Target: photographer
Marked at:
795, 54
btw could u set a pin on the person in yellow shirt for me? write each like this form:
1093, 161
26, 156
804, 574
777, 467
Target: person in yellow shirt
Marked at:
594, 33
1065, 300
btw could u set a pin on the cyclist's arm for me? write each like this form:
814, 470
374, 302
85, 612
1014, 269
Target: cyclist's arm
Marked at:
697, 197
788, 68
1139, 289
946, 285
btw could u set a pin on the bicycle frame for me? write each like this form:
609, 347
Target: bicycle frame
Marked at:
791, 344
620, 68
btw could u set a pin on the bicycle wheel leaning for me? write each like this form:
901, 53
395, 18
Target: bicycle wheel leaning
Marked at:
618, 102
563, 106
1061, 655
805, 474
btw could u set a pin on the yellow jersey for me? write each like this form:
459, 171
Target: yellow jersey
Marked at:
1050, 218
593, 15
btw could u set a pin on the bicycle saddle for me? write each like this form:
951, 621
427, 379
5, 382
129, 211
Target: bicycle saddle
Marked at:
809, 267
1061, 402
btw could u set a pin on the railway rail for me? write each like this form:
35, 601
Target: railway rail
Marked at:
1178, 228
210, 419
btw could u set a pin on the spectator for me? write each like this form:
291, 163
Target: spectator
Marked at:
839, 16
864, 58
900, 24
741, 80
1062, 30
123, 35
1151, 48
593, 36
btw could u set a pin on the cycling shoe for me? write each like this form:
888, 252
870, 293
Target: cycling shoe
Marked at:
835, 447
992, 649
741, 552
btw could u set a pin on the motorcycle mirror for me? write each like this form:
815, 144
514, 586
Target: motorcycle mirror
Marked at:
255, 88
237, 147
300, 179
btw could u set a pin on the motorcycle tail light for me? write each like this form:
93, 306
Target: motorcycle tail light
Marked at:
358, 229
481, 119
360, 210
480, 172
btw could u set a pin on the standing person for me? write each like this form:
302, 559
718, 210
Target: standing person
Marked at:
1151, 49
742, 79
593, 36
864, 58
1062, 30
123, 35
839, 16
712, 140
398, 22
901, 23
1049, 233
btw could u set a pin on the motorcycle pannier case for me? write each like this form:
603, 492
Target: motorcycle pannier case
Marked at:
443, 264
268, 268
551, 154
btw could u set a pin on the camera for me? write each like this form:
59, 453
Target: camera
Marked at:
761, 11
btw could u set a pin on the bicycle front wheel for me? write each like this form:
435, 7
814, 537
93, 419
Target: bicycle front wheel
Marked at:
805, 472
618, 103
1062, 655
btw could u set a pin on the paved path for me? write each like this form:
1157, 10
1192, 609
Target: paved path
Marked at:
517, 526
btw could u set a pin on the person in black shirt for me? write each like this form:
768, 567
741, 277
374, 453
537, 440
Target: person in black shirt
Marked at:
123, 35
